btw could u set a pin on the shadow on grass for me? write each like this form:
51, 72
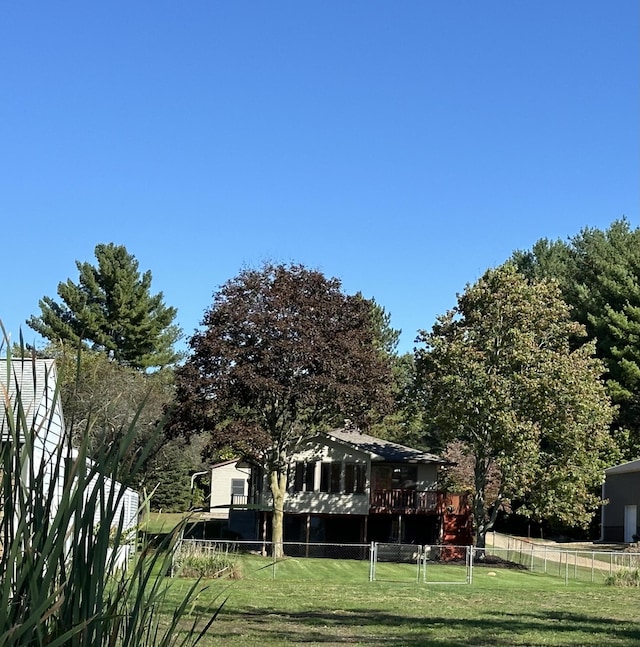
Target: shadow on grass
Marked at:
271, 626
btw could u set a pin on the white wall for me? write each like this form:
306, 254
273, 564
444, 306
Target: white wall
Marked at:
221, 477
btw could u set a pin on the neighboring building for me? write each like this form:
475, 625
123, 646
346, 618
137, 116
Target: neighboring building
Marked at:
229, 486
36, 382
348, 487
621, 490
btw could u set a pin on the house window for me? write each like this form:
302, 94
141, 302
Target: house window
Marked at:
237, 488
330, 477
404, 478
298, 477
304, 476
309, 476
354, 477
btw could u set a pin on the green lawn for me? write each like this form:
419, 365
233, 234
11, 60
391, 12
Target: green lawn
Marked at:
331, 602
157, 523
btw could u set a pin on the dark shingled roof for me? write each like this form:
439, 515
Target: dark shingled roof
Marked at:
384, 450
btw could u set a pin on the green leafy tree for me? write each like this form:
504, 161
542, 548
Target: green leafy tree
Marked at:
506, 383
112, 309
599, 275
283, 353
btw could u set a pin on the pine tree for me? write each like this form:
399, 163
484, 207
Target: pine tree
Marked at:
112, 309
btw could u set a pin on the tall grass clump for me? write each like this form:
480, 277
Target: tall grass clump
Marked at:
61, 532
208, 562
624, 578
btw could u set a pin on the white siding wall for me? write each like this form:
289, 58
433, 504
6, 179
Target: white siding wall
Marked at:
128, 505
221, 478
48, 425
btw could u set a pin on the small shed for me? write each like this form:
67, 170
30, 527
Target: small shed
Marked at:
621, 492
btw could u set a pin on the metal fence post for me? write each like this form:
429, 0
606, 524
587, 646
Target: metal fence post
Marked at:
372, 561
424, 563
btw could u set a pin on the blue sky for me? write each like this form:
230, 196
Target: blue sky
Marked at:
403, 147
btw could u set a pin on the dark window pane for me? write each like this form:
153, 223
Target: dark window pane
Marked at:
297, 480
336, 468
237, 487
360, 478
309, 476
325, 476
404, 478
350, 477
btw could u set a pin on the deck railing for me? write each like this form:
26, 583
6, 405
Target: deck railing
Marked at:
241, 500
404, 500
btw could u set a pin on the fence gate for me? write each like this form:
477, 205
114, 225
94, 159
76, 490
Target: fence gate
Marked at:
421, 564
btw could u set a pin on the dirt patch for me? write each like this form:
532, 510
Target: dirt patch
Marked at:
498, 562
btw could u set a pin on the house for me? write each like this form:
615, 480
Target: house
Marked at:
621, 491
348, 487
39, 406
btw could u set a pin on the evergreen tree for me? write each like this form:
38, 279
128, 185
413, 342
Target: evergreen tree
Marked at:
112, 309
599, 275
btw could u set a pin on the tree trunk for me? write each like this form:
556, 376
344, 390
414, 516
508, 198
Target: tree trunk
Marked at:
482, 521
278, 484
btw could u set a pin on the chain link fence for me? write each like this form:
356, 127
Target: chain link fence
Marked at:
385, 562
401, 563
570, 564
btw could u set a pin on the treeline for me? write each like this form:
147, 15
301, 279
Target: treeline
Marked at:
531, 382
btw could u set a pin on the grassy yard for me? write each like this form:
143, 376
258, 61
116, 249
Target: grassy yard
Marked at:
329, 602
157, 523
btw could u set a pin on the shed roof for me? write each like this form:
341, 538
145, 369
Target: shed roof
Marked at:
631, 466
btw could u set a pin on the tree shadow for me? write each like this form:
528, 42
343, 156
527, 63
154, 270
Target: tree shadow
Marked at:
501, 629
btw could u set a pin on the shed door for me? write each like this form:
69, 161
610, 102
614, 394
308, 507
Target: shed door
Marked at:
630, 522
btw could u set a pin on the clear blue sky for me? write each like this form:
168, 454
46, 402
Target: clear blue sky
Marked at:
403, 147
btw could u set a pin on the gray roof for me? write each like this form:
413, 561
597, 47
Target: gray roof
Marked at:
383, 450
631, 466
